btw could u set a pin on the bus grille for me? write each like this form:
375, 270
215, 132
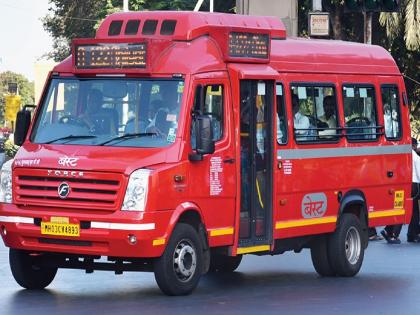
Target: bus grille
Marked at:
88, 190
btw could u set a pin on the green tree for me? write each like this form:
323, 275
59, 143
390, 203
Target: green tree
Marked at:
25, 89
403, 40
398, 32
68, 19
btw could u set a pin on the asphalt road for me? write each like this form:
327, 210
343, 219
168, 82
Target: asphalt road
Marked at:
389, 283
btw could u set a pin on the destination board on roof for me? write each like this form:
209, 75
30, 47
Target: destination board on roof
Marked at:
248, 45
111, 56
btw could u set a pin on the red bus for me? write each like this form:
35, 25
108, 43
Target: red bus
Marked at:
177, 142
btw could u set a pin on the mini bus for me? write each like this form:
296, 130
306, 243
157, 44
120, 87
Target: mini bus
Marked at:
177, 142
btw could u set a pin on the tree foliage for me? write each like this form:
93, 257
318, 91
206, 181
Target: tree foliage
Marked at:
396, 32
25, 88
68, 19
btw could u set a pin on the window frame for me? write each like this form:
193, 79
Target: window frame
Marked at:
202, 99
284, 111
394, 85
375, 99
319, 139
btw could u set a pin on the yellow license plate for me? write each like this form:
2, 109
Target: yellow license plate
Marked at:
62, 229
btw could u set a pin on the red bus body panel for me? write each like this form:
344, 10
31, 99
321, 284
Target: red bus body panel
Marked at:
197, 51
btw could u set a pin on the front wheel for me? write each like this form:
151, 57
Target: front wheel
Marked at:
345, 246
178, 270
28, 270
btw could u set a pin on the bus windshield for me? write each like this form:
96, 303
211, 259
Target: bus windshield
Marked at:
110, 112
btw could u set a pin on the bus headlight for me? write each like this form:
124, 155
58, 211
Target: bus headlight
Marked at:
136, 193
6, 194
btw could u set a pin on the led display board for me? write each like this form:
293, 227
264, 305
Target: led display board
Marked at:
111, 56
249, 45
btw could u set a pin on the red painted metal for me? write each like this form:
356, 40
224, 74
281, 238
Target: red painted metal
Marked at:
197, 50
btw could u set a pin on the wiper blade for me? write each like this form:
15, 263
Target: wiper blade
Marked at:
129, 136
71, 137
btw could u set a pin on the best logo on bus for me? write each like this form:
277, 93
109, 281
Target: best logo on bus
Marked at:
314, 205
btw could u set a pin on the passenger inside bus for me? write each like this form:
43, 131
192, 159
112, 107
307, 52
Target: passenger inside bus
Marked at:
100, 120
138, 123
166, 109
329, 117
390, 122
360, 112
300, 121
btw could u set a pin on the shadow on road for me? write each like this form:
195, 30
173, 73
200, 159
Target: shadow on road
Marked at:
299, 293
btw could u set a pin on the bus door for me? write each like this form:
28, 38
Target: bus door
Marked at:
256, 97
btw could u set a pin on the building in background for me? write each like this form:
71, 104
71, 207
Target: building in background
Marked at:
41, 70
286, 10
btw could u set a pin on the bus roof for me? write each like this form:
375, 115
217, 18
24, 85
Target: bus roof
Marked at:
331, 56
189, 25
212, 29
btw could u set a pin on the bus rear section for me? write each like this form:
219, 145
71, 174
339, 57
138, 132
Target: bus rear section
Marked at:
177, 142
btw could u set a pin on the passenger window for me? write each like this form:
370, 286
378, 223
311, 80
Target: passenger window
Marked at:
360, 112
314, 113
149, 27
281, 119
391, 108
115, 28
212, 105
132, 27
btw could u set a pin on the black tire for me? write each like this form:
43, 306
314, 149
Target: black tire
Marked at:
345, 246
319, 255
28, 270
224, 263
179, 269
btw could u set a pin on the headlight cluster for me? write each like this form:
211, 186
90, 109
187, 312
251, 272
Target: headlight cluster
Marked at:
136, 194
6, 194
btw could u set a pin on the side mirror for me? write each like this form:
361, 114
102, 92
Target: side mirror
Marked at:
23, 120
203, 137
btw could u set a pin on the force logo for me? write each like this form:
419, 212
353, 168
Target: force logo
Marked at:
63, 190
65, 173
68, 161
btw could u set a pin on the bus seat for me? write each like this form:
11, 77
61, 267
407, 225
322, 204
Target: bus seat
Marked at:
360, 133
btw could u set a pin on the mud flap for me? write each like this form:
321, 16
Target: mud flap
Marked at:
206, 248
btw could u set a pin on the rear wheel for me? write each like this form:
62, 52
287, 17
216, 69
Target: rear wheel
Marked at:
178, 270
345, 246
28, 270
224, 263
319, 255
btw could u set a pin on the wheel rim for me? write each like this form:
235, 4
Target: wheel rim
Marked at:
353, 245
185, 260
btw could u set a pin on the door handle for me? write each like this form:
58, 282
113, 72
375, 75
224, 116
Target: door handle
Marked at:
229, 160
390, 174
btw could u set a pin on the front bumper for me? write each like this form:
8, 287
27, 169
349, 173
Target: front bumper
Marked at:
102, 235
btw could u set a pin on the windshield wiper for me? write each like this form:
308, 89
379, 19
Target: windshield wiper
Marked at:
129, 136
71, 137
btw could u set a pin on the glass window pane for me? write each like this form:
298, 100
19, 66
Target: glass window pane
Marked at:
149, 27
115, 28
391, 108
314, 113
213, 106
114, 112
281, 119
360, 112
132, 27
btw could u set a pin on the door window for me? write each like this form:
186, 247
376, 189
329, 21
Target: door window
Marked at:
391, 108
281, 119
209, 100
